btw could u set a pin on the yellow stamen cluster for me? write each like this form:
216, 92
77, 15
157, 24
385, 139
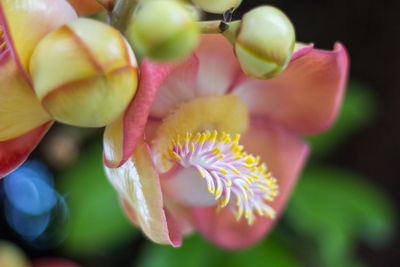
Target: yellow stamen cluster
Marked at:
228, 170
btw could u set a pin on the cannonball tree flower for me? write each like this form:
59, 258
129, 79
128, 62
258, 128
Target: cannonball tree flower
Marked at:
221, 150
59, 75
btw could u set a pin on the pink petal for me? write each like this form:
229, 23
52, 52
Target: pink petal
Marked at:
218, 65
184, 213
138, 184
284, 154
15, 151
306, 97
122, 136
178, 87
301, 49
53, 262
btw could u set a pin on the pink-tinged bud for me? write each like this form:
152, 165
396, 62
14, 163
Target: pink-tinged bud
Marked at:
84, 73
217, 6
264, 42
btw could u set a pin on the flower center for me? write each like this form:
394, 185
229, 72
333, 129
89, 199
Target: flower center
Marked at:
225, 113
233, 177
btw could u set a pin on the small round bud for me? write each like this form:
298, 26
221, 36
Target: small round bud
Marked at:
163, 30
264, 42
217, 6
11, 255
84, 73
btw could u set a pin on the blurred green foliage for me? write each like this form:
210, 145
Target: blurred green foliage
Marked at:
336, 209
196, 252
97, 221
358, 111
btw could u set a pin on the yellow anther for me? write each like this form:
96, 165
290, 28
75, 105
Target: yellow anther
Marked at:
259, 211
249, 160
213, 135
234, 170
245, 197
216, 151
237, 201
236, 138
191, 147
176, 156
202, 174
234, 146
239, 213
221, 156
224, 171
229, 183
218, 193
197, 137
203, 139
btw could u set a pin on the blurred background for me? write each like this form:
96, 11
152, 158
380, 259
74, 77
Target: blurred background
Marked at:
344, 211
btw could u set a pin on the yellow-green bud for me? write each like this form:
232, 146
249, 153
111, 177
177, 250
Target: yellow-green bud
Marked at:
217, 6
12, 256
264, 42
84, 73
163, 30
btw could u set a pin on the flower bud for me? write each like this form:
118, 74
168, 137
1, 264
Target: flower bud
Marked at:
264, 42
217, 6
11, 255
163, 30
84, 73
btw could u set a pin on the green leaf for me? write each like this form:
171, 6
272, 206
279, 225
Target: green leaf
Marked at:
96, 220
196, 252
336, 208
358, 110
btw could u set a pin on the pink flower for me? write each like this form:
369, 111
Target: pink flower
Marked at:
172, 180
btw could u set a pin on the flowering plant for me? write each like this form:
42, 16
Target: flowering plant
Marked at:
191, 156
205, 135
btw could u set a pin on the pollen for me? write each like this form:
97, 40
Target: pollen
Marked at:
3, 46
226, 113
236, 179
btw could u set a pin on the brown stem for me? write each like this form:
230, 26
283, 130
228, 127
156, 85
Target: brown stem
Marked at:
121, 13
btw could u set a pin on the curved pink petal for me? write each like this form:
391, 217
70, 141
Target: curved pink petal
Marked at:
138, 184
285, 154
122, 136
179, 86
53, 262
301, 49
218, 67
15, 151
306, 97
